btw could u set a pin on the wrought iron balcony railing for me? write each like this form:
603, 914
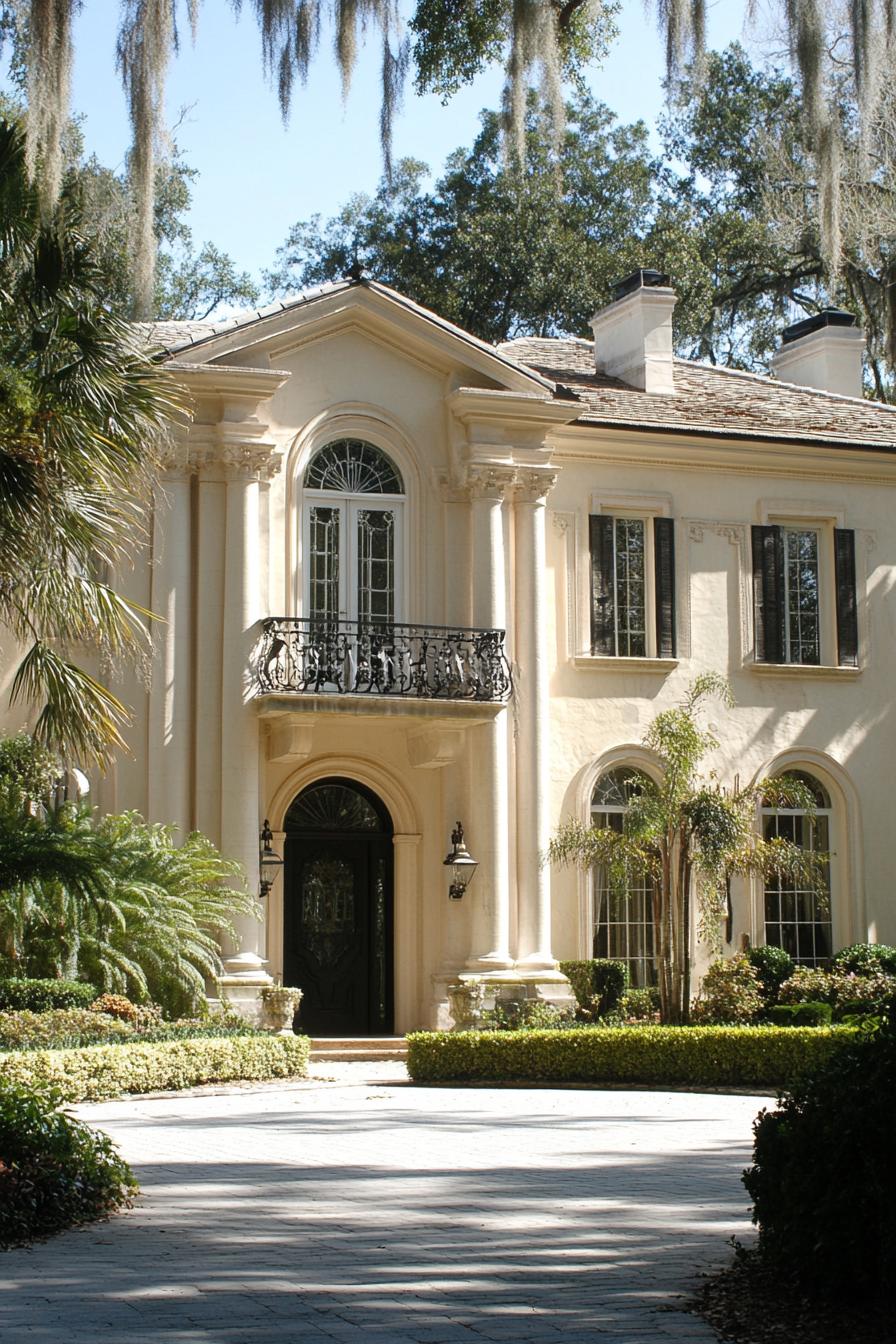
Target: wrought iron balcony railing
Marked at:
314, 656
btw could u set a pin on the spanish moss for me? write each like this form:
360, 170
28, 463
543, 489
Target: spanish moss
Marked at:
50, 57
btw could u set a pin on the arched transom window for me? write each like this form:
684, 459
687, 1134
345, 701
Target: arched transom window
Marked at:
796, 917
352, 534
623, 918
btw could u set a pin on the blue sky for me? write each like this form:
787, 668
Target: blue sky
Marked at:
257, 177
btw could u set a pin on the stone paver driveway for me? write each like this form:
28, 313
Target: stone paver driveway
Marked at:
315, 1212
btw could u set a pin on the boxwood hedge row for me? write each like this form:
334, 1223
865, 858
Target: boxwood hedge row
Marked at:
665, 1056
97, 1072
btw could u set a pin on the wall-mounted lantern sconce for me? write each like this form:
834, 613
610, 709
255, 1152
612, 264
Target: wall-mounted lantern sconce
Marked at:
462, 864
269, 863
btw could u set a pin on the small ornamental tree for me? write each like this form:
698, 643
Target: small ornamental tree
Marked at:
688, 836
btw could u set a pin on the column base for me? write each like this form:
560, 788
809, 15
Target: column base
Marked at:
241, 984
494, 962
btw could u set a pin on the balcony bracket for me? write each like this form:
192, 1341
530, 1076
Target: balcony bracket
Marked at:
433, 748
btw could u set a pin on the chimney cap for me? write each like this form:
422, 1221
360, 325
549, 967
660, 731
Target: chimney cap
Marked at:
640, 279
827, 317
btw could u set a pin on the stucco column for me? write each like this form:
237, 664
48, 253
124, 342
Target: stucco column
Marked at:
533, 735
240, 753
210, 526
488, 830
170, 699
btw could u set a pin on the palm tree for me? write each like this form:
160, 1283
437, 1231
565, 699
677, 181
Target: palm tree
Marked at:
689, 836
83, 414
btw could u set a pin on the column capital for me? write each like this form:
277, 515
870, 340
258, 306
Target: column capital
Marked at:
533, 485
490, 482
250, 460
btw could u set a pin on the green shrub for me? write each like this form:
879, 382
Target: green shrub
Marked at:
640, 1005
773, 966
676, 1056
823, 1179
730, 992
808, 984
524, 1015
116, 1005
97, 1072
54, 1170
866, 959
800, 1014
58, 1029
598, 984
38, 996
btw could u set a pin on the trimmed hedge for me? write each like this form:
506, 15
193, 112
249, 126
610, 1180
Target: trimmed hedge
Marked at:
59, 1029
39, 996
674, 1056
97, 1072
54, 1170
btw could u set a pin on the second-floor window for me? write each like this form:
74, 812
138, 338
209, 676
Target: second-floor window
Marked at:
353, 553
804, 595
632, 586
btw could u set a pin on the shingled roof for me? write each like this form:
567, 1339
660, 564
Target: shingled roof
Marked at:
709, 400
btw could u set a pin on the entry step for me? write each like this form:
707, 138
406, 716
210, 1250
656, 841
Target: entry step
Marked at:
360, 1049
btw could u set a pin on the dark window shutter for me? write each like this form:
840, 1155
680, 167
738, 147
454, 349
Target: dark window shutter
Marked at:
847, 615
664, 575
603, 640
768, 594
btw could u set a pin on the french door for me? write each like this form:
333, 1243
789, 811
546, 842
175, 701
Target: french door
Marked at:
353, 559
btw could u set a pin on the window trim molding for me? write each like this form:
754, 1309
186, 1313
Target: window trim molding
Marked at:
621, 504
352, 420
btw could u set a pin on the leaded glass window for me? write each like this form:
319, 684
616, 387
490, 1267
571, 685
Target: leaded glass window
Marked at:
352, 467
797, 917
623, 917
629, 555
353, 535
333, 805
801, 606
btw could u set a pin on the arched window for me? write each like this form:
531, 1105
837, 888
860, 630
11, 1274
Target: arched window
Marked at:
623, 920
353, 545
796, 918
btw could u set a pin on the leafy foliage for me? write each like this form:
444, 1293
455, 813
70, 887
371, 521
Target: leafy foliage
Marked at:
39, 996
83, 415
54, 1170
97, 1072
866, 959
114, 900
598, 984
730, 992
665, 1056
683, 832
58, 1029
772, 966
823, 1179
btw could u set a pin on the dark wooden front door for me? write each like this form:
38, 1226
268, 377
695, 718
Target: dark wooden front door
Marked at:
337, 927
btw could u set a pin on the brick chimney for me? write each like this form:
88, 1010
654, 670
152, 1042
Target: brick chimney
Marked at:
633, 335
822, 351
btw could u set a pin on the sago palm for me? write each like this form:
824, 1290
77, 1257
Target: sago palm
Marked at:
83, 413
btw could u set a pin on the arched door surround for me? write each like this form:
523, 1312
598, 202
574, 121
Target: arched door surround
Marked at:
338, 908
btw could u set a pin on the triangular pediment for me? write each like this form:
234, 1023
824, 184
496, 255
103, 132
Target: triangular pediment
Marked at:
265, 338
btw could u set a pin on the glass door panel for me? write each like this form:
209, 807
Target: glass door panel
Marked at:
375, 537
324, 548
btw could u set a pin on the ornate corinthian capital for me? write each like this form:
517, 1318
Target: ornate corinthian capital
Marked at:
485, 482
253, 461
534, 485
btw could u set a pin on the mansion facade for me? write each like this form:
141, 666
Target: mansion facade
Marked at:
408, 578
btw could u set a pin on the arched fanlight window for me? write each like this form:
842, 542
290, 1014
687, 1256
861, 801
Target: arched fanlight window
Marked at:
797, 918
623, 919
353, 467
353, 544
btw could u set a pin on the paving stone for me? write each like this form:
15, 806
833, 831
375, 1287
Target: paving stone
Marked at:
360, 1208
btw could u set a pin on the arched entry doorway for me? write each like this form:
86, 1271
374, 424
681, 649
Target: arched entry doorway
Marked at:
337, 908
